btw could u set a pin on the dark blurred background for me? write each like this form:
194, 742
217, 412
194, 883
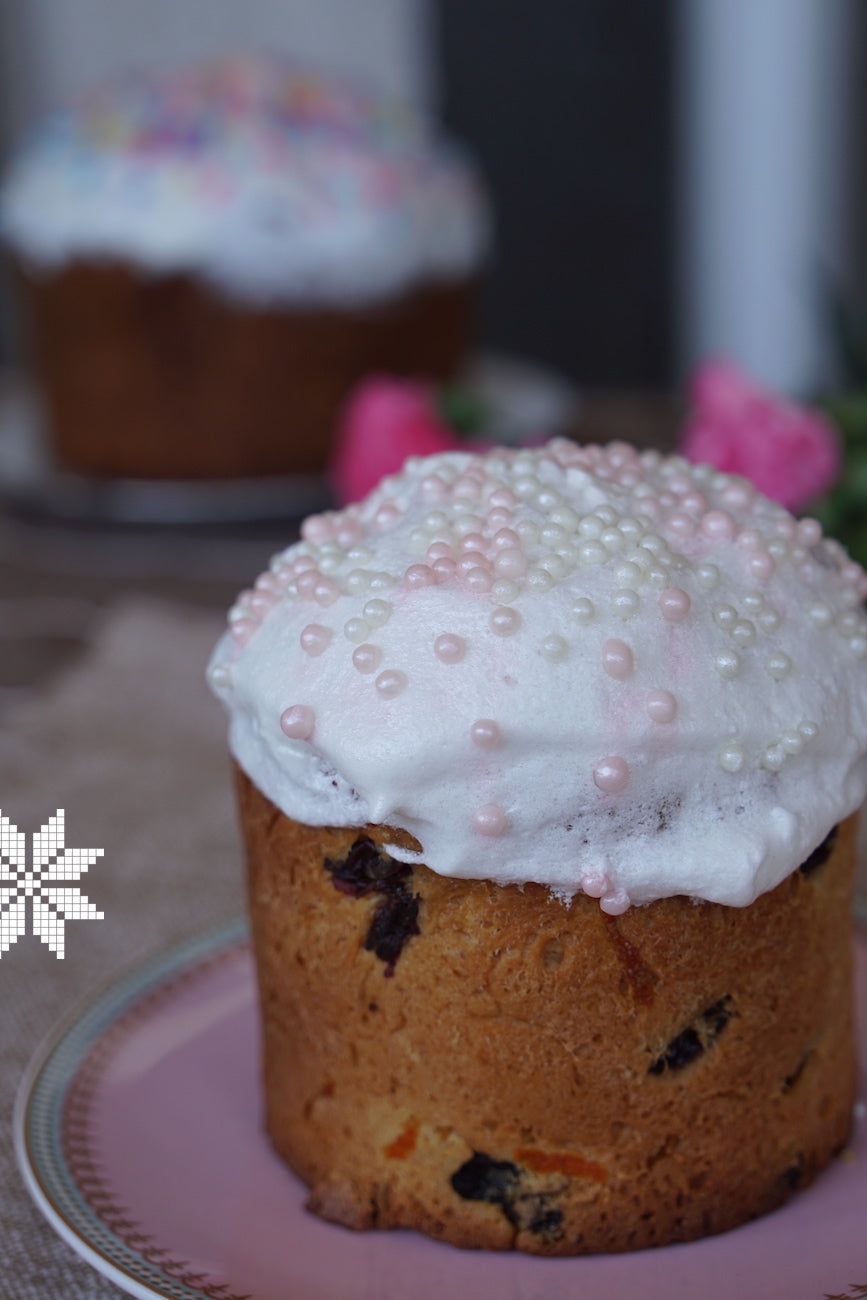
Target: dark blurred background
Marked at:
671, 177
570, 107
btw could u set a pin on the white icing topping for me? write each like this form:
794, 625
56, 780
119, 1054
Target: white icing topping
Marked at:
675, 743
273, 185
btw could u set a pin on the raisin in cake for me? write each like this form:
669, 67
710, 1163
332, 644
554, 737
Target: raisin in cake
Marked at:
547, 766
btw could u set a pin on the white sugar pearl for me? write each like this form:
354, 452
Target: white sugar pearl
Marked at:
725, 616
566, 517
820, 614
658, 576
769, 620
583, 611
743, 632
357, 581
847, 624
612, 539
548, 499
539, 580
377, 612
220, 675
504, 591
554, 648
774, 758
654, 543
625, 603
592, 553
779, 665
727, 663
731, 757
630, 528
792, 742
708, 576
554, 564
590, 527
628, 574
356, 630
568, 554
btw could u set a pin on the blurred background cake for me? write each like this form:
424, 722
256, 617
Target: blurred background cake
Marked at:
211, 258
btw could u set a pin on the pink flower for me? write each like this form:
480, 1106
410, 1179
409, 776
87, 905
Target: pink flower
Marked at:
383, 422
790, 453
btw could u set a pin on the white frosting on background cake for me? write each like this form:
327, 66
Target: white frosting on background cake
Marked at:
582, 666
272, 184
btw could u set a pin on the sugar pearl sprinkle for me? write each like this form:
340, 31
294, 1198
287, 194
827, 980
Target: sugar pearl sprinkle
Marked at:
481, 597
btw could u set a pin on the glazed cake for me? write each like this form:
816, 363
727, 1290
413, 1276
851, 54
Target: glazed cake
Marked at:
211, 259
547, 762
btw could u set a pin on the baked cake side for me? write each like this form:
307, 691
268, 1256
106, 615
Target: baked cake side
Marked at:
500, 1069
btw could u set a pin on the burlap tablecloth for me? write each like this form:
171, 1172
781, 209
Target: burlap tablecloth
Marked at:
131, 744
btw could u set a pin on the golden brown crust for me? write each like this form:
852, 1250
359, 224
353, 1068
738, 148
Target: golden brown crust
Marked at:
542, 1076
159, 377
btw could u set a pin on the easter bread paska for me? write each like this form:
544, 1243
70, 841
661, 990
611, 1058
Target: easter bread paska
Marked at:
547, 763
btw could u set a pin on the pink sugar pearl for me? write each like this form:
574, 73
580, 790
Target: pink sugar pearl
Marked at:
485, 733
315, 639
440, 551
307, 581
761, 565
242, 629
719, 525
450, 649
326, 591
366, 658
418, 576
317, 528
473, 542
490, 819
472, 560
661, 706
617, 659
675, 604
390, 683
595, 884
479, 579
615, 903
444, 569
297, 722
611, 775
511, 563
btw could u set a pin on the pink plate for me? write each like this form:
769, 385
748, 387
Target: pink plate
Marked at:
139, 1134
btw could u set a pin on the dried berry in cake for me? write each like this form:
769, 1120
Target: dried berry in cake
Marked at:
532, 746
213, 257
